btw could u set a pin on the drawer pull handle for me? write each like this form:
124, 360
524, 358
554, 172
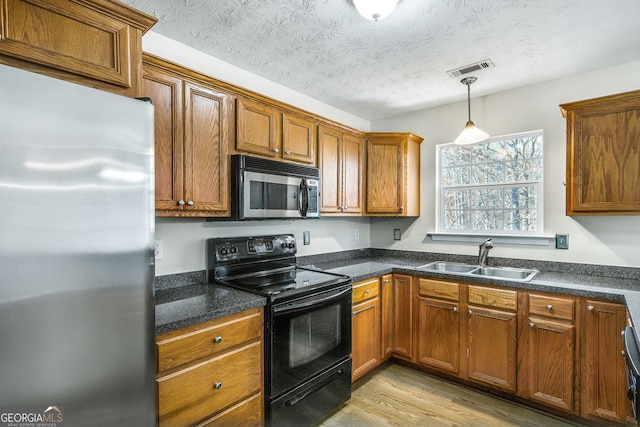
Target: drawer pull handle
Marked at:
387, 281
622, 353
217, 339
217, 385
549, 307
367, 291
532, 324
590, 308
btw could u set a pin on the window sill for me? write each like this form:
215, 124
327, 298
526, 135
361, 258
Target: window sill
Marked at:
511, 239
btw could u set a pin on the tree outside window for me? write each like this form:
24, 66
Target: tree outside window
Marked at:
492, 186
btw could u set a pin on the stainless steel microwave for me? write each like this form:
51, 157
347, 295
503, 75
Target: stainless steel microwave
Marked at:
268, 189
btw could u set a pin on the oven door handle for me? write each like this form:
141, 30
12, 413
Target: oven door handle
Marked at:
292, 308
296, 399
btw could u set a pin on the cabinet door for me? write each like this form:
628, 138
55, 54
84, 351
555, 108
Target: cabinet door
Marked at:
299, 139
95, 43
604, 384
352, 173
385, 175
491, 347
386, 303
366, 337
402, 317
206, 160
331, 166
549, 370
165, 89
258, 128
439, 334
603, 162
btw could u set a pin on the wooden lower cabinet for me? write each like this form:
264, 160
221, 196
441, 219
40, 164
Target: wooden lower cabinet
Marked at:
604, 386
402, 301
491, 337
386, 302
438, 325
547, 348
366, 327
211, 374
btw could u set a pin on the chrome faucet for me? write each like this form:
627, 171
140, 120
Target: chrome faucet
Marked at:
483, 253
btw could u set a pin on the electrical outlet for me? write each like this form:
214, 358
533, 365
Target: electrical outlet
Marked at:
356, 234
396, 234
157, 249
306, 238
562, 241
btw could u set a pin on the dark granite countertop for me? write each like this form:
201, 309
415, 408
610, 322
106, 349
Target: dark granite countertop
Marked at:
189, 305
186, 299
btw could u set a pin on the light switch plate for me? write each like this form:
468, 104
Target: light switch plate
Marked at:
562, 241
396, 234
306, 238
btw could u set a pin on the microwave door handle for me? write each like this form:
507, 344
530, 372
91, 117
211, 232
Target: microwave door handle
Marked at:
303, 198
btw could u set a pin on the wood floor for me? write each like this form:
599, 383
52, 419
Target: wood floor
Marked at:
400, 396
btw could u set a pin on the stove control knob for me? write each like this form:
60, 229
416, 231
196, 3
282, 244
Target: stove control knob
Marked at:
283, 245
224, 251
233, 249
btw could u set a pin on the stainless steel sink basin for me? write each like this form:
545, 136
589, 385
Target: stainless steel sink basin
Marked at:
470, 270
517, 274
448, 267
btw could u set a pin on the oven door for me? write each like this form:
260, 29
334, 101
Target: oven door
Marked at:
308, 335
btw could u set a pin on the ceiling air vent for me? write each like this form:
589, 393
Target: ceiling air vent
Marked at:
461, 71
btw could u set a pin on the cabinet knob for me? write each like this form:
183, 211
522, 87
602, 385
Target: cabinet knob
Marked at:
470, 312
217, 385
590, 308
532, 324
367, 291
389, 281
181, 202
622, 332
276, 150
190, 202
287, 152
401, 208
622, 353
217, 339
549, 307
455, 309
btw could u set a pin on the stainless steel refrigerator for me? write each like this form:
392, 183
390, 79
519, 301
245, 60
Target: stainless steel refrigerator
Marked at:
76, 253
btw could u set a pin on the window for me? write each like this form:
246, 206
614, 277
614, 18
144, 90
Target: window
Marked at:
494, 186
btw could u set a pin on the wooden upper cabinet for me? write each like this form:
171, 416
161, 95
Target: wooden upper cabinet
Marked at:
393, 174
96, 43
342, 164
193, 133
268, 131
603, 155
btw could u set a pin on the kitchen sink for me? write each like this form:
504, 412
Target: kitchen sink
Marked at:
448, 267
470, 270
517, 274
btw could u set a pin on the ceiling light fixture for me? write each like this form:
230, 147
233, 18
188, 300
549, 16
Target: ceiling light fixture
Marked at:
375, 9
471, 134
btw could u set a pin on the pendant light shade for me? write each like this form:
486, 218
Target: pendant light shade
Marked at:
471, 133
375, 9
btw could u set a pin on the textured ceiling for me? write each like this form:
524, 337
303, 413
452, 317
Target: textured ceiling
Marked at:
325, 49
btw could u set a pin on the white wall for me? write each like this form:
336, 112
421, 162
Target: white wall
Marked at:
612, 240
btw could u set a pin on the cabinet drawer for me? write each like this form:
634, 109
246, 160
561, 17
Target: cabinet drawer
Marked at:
247, 413
199, 391
439, 289
492, 297
365, 290
556, 307
178, 348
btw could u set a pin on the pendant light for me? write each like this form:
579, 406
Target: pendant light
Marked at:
375, 9
471, 133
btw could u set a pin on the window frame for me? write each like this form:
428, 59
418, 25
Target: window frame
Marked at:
539, 185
